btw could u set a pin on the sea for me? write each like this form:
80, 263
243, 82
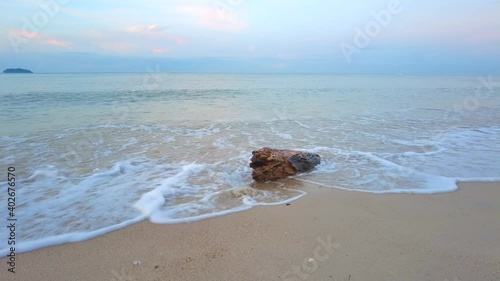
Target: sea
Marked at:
95, 152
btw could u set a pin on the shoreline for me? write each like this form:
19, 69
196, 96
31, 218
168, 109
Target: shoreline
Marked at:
62, 239
325, 235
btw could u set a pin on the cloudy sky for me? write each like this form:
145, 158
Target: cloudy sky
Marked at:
446, 37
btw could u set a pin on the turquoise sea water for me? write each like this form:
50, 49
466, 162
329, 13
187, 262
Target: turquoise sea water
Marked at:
95, 152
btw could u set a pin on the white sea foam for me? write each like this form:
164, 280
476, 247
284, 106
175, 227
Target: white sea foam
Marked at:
181, 152
61, 207
157, 204
26, 246
152, 201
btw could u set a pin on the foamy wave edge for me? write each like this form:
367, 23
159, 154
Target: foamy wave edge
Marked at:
22, 247
149, 204
155, 217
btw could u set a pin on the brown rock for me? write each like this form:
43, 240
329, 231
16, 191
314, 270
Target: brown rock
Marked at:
271, 164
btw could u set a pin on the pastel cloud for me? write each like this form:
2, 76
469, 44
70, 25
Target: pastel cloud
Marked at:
37, 38
208, 17
145, 28
26, 34
142, 39
180, 41
58, 43
280, 30
159, 50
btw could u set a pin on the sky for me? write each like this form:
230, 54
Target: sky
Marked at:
446, 37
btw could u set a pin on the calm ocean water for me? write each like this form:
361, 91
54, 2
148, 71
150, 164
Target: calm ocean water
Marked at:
96, 152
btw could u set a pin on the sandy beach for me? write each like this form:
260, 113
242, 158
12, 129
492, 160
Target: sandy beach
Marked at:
326, 235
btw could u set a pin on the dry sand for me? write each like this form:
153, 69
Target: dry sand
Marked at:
326, 235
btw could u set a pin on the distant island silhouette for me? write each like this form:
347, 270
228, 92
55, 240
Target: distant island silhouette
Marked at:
17, 70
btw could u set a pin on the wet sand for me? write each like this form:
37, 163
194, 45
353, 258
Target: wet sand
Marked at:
325, 235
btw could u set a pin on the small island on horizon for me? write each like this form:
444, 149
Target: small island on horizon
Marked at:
17, 70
